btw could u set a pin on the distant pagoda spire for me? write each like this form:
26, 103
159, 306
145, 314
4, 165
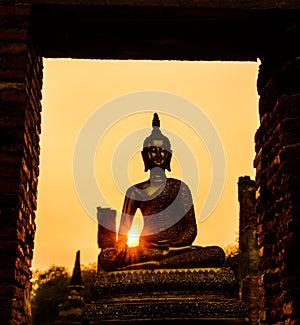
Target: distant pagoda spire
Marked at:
76, 276
70, 311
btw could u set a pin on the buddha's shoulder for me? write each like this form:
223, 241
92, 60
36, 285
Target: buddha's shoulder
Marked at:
178, 184
139, 186
175, 182
136, 190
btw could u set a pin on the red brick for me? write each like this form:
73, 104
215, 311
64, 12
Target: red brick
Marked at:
8, 232
11, 289
5, 304
6, 275
15, 10
13, 96
9, 171
9, 185
7, 260
9, 199
7, 215
290, 152
287, 101
12, 74
7, 123
14, 61
14, 21
11, 158
288, 308
5, 315
13, 34
12, 109
13, 48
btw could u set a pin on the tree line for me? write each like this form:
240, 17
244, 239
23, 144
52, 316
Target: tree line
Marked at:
50, 289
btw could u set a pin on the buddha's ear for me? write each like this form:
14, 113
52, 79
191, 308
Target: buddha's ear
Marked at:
145, 159
168, 160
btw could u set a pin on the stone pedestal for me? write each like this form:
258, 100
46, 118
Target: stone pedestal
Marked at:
163, 296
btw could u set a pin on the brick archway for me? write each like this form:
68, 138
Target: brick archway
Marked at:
171, 30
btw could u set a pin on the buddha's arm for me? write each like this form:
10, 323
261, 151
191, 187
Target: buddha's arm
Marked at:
129, 209
188, 222
189, 227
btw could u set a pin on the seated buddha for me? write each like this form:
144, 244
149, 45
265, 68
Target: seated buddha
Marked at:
169, 227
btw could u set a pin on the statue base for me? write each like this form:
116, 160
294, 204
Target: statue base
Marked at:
162, 296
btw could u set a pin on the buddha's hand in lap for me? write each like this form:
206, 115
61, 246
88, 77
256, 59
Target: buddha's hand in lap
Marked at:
120, 247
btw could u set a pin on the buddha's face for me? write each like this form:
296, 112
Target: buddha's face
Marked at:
156, 155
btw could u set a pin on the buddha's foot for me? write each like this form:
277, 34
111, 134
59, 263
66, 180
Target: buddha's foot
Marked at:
196, 257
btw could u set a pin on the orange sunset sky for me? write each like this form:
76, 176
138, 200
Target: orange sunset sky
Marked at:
77, 91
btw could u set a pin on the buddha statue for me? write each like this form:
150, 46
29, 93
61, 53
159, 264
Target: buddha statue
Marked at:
169, 228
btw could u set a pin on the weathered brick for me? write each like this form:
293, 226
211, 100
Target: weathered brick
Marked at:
9, 185
13, 96
290, 152
7, 124
5, 304
9, 199
13, 34
22, 9
8, 232
14, 21
11, 158
13, 47
7, 258
12, 74
288, 308
12, 109
11, 290
277, 164
17, 61
8, 171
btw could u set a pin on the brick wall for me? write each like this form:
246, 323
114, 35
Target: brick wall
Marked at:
249, 274
278, 181
20, 119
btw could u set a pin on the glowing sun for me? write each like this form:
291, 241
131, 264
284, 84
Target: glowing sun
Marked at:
136, 228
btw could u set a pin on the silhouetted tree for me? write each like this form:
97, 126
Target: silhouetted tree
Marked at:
49, 290
88, 274
233, 256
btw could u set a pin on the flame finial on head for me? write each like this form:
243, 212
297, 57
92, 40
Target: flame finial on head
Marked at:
155, 121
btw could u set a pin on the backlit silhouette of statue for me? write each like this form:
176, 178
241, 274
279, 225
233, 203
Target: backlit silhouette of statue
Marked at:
169, 220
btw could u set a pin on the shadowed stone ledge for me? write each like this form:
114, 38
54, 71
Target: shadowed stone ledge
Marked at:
198, 280
164, 296
155, 309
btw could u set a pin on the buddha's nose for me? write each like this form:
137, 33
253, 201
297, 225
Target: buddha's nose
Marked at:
159, 152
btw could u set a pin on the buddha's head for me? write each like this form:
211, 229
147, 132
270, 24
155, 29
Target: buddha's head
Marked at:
157, 148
